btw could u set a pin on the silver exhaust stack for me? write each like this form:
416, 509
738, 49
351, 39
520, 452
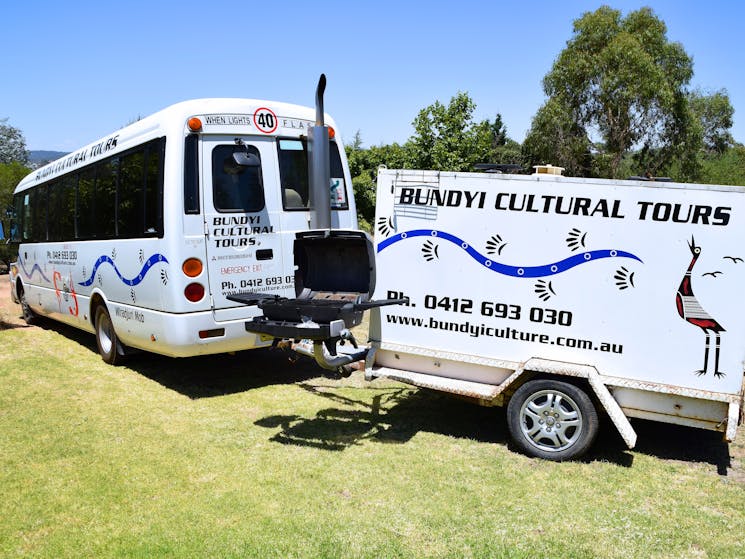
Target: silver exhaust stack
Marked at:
319, 172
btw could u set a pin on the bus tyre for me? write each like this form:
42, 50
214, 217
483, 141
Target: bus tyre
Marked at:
551, 419
106, 339
28, 315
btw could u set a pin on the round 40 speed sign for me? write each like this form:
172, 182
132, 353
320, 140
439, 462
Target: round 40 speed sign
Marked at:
265, 120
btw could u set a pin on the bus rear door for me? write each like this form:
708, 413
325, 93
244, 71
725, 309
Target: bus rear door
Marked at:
242, 215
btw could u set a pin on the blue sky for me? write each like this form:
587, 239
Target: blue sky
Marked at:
74, 71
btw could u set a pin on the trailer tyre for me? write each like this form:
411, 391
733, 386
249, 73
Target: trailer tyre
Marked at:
106, 338
551, 419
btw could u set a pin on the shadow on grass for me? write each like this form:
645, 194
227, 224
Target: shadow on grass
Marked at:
393, 415
664, 441
207, 375
687, 444
11, 325
217, 375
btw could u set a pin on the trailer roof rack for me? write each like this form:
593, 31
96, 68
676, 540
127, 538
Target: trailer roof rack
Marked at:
499, 168
650, 179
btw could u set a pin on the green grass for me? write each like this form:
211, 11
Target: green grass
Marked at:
251, 455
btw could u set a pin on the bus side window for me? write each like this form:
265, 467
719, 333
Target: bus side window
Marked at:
67, 207
131, 195
24, 215
16, 219
105, 222
236, 188
39, 213
86, 205
154, 169
54, 214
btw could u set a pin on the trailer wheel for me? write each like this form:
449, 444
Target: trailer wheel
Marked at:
106, 338
551, 419
28, 315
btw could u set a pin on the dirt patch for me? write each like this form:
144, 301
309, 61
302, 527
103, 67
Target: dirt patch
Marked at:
10, 312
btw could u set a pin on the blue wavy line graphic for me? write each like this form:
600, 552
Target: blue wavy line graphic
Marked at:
505, 269
152, 261
34, 268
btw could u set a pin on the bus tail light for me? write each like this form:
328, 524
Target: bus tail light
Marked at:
194, 124
194, 292
192, 267
332, 133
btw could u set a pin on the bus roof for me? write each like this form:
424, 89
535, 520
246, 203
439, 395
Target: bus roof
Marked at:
218, 115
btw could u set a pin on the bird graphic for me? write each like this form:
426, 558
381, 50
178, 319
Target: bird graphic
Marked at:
735, 259
712, 274
691, 311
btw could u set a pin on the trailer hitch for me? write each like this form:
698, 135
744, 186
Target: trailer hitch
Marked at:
324, 323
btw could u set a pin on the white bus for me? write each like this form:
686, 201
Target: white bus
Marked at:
141, 236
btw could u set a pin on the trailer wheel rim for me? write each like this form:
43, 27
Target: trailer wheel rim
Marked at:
551, 421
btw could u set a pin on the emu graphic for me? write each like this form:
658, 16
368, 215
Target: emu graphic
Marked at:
691, 311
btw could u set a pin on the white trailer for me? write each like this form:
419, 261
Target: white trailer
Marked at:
556, 296
561, 296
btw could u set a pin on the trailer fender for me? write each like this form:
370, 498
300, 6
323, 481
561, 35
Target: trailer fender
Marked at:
611, 407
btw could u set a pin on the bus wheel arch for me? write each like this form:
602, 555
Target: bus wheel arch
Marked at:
107, 341
29, 316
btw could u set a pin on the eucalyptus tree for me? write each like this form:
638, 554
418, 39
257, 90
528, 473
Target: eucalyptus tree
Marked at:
12, 144
625, 83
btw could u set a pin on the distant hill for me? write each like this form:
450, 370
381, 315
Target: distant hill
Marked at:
40, 157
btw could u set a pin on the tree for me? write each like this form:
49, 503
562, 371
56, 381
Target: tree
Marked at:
624, 82
363, 166
12, 144
10, 175
727, 168
447, 138
499, 132
556, 138
714, 113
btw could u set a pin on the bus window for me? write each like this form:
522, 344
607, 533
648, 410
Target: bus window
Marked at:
154, 188
105, 222
293, 172
55, 223
139, 213
39, 213
191, 174
67, 207
235, 188
85, 207
338, 188
23, 211
131, 195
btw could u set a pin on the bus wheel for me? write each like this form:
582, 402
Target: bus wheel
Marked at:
28, 315
106, 338
551, 419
